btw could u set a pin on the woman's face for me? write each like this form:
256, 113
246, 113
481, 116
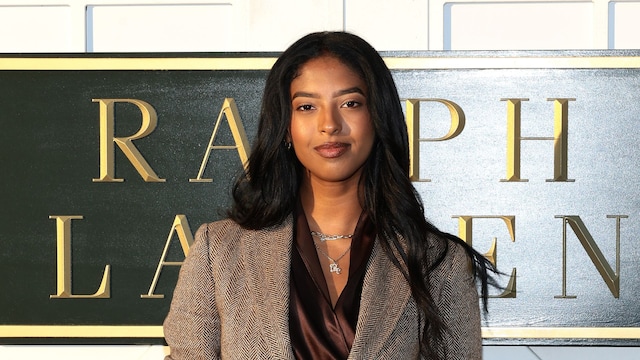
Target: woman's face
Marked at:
331, 128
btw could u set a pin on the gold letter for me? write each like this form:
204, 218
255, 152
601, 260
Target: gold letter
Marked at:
107, 129
229, 109
465, 232
560, 149
181, 227
413, 126
63, 225
560, 146
611, 278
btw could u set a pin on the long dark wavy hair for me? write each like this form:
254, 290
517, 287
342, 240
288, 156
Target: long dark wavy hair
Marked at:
267, 191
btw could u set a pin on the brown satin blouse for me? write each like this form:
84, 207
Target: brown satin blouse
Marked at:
317, 330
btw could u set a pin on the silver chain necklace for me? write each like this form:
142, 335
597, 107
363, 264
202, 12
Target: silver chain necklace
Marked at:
325, 237
333, 266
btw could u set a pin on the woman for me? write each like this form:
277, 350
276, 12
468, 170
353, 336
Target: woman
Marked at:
326, 253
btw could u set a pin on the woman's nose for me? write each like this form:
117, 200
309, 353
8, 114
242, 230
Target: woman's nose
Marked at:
330, 122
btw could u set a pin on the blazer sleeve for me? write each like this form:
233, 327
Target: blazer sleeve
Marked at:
192, 327
460, 309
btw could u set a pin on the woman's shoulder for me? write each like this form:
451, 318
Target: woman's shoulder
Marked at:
220, 233
217, 229
449, 253
227, 231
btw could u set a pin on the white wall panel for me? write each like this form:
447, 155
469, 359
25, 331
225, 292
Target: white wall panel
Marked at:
274, 25
35, 29
390, 25
517, 25
83, 352
626, 25
149, 28
232, 26
261, 25
585, 353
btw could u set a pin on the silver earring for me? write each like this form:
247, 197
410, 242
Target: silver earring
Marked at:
288, 145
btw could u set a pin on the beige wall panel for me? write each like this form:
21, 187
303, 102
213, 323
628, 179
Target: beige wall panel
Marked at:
626, 25
148, 28
518, 26
35, 29
390, 25
274, 25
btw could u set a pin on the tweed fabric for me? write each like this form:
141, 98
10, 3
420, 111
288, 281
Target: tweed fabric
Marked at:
232, 301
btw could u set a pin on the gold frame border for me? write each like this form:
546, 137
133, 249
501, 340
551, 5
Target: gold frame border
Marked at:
155, 331
80, 331
265, 63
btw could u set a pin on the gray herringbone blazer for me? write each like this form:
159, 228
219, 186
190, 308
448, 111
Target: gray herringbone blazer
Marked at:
232, 301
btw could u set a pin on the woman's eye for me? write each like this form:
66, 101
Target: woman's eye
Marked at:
305, 107
351, 103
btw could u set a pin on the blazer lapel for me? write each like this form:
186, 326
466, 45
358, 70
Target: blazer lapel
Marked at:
271, 282
385, 296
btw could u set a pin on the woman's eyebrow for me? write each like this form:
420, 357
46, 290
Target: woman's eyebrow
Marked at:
304, 94
352, 90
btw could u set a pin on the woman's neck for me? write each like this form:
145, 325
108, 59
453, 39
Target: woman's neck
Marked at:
331, 208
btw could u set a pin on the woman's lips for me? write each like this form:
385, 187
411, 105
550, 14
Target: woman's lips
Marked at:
331, 150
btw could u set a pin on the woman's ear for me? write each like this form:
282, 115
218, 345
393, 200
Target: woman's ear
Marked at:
287, 141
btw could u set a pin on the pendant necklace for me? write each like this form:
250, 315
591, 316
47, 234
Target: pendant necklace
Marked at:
333, 266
